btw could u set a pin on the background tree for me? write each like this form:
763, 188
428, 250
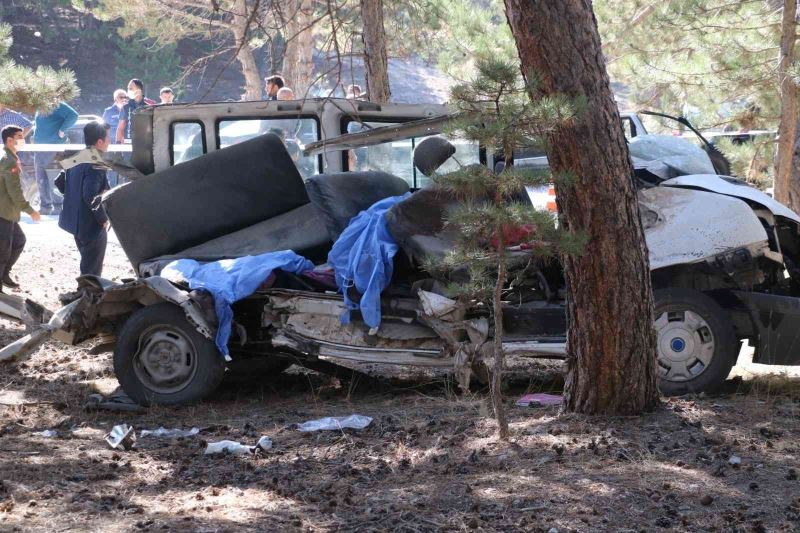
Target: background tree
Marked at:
787, 182
467, 30
721, 62
298, 31
497, 111
376, 62
28, 90
141, 58
715, 59
231, 24
611, 340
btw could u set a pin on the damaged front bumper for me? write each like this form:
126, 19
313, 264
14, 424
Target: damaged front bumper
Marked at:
98, 308
428, 331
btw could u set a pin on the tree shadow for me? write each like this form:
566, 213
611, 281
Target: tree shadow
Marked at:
424, 464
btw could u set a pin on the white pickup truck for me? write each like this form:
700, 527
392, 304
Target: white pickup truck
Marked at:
724, 256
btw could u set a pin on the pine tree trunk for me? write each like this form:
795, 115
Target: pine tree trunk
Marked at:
239, 24
298, 62
787, 181
375, 58
796, 154
496, 384
611, 340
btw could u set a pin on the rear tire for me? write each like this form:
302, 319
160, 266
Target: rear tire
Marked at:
697, 344
161, 359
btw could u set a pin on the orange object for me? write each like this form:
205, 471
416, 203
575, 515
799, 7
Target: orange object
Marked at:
551, 204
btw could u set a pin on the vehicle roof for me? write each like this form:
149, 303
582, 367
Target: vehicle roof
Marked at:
395, 132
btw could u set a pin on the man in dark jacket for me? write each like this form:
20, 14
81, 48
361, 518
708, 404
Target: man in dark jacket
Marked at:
272, 85
136, 100
82, 215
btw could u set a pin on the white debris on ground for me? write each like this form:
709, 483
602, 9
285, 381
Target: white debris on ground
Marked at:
332, 423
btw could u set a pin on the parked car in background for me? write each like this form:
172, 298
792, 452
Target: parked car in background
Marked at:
740, 137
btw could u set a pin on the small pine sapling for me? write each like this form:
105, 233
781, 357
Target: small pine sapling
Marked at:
500, 232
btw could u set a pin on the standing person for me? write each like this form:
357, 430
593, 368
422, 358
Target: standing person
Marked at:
353, 92
166, 95
9, 117
284, 93
112, 116
286, 128
273, 84
12, 203
136, 100
12, 118
113, 113
83, 216
50, 128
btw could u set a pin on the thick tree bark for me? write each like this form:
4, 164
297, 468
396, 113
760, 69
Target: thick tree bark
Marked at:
796, 153
611, 341
375, 58
242, 19
787, 182
298, 61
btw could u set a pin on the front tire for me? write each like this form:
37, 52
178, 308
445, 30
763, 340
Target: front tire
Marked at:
161, 359
697, 344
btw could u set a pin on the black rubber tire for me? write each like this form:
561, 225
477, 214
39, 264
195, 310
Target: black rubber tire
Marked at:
726, 349
210, 365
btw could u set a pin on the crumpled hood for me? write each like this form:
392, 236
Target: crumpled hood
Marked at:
684, 226
667, 157
733, 187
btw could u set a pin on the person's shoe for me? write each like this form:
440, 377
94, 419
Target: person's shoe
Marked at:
10, 283
45, 210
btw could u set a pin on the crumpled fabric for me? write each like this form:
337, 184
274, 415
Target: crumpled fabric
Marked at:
230, 280
334, 423
363, 257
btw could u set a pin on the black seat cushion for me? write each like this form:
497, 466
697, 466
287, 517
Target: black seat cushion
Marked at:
297, 230
341, 196
203, 199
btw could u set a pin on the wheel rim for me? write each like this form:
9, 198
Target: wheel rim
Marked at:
685, 345
165, 361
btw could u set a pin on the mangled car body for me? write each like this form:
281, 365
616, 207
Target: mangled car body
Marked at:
723, 256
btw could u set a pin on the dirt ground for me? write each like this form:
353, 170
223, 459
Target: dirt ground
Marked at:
428, 462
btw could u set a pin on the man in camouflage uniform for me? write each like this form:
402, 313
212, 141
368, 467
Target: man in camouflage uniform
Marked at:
12, 203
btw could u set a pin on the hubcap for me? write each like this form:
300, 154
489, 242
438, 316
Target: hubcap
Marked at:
677, 344
685, 345
165, 361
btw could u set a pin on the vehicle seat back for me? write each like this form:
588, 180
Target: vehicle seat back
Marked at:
417, 224
341, 196
214, 195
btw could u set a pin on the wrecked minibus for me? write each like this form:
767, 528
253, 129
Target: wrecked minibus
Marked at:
243, 226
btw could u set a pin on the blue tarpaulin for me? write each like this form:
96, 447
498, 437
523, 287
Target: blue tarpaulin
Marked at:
363, 256
230, 280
